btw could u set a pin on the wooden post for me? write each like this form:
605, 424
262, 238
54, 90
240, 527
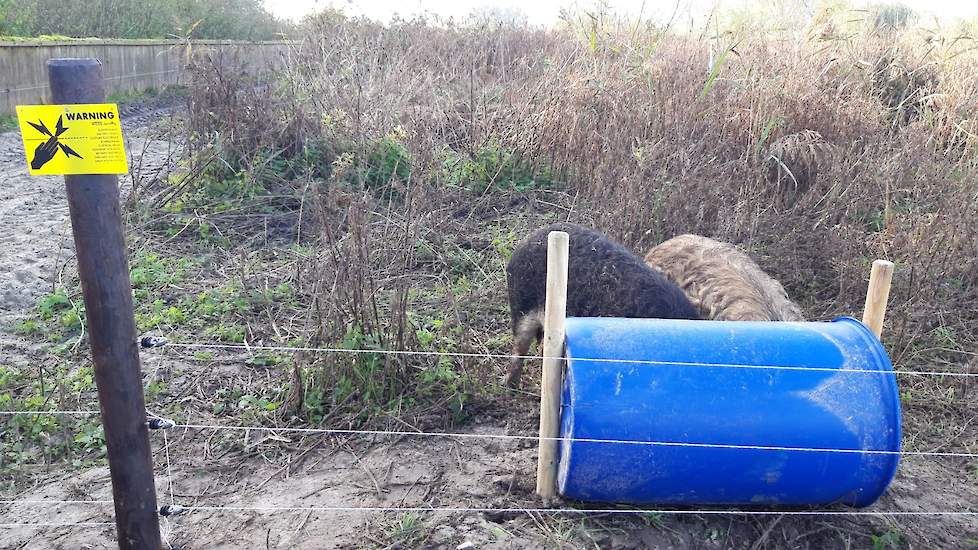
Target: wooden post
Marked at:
103, 268
553, 351
877, 295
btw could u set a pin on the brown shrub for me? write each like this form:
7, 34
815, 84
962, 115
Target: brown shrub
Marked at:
793, 162
631, 136
904, 88
428, 148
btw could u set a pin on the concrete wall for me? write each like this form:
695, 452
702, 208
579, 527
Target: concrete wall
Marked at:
128, 65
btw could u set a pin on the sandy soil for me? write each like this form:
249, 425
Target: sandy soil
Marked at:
256, 469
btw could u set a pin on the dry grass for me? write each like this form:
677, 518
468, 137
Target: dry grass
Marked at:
417, 154
412, 133
793, 162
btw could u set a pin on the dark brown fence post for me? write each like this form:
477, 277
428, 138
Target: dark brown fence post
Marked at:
103, 268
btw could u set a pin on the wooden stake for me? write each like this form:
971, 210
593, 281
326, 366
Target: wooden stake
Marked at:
100, 248
877, 295
553, 351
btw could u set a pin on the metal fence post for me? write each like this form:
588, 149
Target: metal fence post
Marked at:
103, 268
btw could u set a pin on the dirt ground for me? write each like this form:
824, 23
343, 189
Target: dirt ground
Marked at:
265, 469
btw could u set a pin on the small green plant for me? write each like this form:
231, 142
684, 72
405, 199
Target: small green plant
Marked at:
56, 315
91, 439
257, 403
230, 185
492, 167
155, 389
462, 285
504, 243
367, 383
316, 157
147, 270
443, 379
383, 161
71, 320
872, 219
28, 327
219, 190
251, 406
49, 305
889, 540
771, 125
358, 380
366, 375
408, 530
8, 123
388, 159
947, 337
29, 438
218, 312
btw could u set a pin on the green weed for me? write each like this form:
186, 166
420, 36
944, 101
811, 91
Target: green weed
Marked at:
889, 540
947, 337
56, 316
49, 305
8, 123
408, 530
462, 285
249, 406
219, 312
26, 438
504, 243
711, 79
147, 270
388, 159
493, 168
219, 189
872, 219
316, 158
366, 373
368, 383
29, 327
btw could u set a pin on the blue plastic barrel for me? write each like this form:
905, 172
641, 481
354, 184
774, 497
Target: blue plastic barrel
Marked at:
697, 390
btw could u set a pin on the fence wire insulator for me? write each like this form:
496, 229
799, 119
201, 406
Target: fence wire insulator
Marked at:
152, 342
160, 423
168, 510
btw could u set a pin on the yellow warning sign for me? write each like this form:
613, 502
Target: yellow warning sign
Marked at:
72, 139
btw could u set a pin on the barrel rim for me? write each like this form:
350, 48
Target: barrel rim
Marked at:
882, 359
